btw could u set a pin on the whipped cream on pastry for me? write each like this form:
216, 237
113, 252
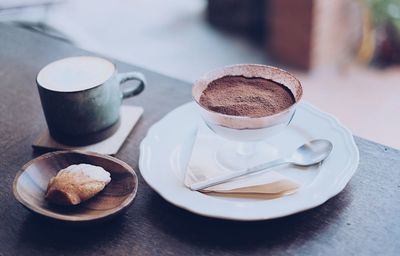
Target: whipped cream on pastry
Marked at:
91, 171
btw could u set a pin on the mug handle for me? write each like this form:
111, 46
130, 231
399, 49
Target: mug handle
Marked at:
131, 91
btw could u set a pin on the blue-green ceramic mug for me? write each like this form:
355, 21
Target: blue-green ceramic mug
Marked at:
81, 98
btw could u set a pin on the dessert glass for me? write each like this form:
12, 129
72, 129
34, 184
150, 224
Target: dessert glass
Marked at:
246, 136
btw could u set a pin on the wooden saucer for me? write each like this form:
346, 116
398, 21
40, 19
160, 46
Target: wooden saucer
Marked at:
30, 185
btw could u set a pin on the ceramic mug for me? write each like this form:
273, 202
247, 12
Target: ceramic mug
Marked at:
81, 98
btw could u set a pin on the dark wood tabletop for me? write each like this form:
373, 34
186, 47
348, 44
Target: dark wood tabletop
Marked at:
364, 219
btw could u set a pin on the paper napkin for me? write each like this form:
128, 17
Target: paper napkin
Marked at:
202, 166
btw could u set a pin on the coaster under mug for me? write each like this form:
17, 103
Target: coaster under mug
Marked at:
110, 146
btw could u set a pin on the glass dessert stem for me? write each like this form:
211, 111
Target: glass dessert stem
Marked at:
237, 156
246, 148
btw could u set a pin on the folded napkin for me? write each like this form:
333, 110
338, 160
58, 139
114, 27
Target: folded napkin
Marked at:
203, 166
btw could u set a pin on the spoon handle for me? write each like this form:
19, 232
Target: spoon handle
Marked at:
228, 177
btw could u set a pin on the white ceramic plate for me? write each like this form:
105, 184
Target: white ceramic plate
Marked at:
165, 152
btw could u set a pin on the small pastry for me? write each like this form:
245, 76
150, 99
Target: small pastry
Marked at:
76, 183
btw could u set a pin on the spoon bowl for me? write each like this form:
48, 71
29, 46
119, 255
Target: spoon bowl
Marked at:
311, 153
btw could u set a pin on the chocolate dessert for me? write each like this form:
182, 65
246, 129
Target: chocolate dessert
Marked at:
243, 96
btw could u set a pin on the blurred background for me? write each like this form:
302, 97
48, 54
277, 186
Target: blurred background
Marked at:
345, 52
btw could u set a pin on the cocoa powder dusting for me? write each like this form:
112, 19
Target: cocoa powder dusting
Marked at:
242, 96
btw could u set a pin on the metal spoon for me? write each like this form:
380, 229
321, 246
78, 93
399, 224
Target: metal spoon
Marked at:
308, 154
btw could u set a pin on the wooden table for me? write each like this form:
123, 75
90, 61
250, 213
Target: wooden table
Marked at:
362, 220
